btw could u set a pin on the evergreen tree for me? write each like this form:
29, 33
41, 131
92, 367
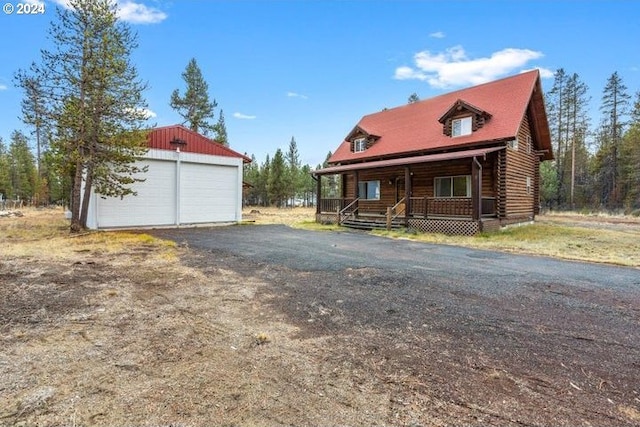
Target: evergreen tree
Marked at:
556, 106
575, 136
5, 179
630, 160
263, 181
278, 179
251, 175
615, 102
22, 168
33, 113
413, 98
293, 171
195, 107
220, 130
93, 100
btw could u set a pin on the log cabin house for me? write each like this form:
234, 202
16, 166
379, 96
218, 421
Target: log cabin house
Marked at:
458, 163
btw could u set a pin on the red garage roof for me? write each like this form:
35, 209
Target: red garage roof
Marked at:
171, 137
415, 128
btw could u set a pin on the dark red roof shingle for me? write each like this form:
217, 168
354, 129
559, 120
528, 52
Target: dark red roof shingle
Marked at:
414, 128
161, 137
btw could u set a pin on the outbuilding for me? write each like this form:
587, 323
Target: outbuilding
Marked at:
190, 180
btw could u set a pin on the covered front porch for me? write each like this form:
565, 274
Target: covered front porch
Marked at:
452, 193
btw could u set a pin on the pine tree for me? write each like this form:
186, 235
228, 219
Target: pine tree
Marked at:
576, 131
22, 168
33, 113
93, 100
293, 171
251, 175
263, 181
556, 106
5, 179
195, 107
630, 160
615, 102
220, 130
278, 179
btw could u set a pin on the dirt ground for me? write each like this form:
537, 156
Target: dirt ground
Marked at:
154, 334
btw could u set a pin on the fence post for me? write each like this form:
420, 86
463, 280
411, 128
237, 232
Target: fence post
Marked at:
388, 218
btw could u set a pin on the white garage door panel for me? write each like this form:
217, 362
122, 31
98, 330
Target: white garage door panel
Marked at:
154, 204
208, 193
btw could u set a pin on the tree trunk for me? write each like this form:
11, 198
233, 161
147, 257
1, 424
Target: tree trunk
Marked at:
76, 225
84, 211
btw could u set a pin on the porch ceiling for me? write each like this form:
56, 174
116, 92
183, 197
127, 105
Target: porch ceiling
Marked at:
407, 161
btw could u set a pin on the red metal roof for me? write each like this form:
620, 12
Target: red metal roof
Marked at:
464, 154
414, 128
161, 137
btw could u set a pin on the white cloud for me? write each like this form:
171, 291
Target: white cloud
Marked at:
437, 35
144, 113
545, 73
3, 87
243, 116
138, 13
130, 11
296, 95
453, 68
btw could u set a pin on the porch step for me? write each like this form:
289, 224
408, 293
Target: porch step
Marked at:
370, 224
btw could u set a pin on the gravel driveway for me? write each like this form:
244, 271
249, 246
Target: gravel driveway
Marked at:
502, 339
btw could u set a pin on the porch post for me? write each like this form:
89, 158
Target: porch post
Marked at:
407, 195
476, 189
318, 195
355, 187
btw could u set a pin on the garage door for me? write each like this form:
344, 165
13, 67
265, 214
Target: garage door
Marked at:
208, 193
154, 204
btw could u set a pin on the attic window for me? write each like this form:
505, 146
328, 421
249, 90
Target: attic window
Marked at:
359, 145
462, 119
461, 127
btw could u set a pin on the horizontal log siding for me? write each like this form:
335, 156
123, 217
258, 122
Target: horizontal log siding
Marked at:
422, 181
520, 165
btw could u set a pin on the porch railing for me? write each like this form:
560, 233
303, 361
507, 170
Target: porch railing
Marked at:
424, 207
334, 205
348, 211
450, 207
395, 211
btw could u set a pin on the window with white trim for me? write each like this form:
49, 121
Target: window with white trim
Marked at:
513, 144
529, 145
452, 186
528, 185
359, 145
461, 127
369, 190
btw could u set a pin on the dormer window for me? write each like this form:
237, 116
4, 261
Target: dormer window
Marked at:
359, 145
461, 127
463, 119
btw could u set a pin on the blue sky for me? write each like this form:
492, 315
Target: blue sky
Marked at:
311, 69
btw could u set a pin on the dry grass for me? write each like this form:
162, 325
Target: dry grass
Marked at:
599, 238
46, 233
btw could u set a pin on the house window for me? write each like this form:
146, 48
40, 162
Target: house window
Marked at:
369, 190
461, 127
359, 145
513, 144
528, 185
529, 147
453, 186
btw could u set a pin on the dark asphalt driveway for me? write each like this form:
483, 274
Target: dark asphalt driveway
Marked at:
537, 340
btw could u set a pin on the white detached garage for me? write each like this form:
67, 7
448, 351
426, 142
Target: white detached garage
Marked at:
190, 180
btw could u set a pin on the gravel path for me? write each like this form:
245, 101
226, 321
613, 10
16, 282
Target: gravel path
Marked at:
457, 336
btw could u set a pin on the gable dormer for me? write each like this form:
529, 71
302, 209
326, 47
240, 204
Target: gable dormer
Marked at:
360, 140
463, 119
